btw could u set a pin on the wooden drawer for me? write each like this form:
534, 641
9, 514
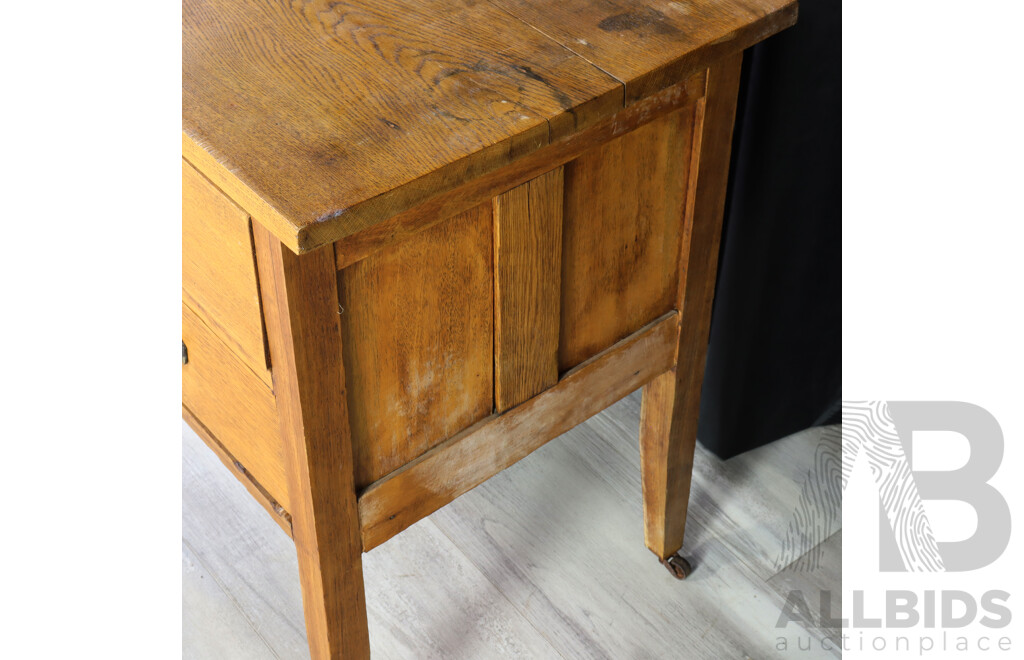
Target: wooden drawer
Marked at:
235, 406
218, 270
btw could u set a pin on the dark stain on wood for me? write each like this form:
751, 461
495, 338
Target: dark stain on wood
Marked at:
641, 20
441, 112
561, 97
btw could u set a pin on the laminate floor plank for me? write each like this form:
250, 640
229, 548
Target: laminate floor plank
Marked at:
561, 535
816, 572
243, 548
425, 599
748, 501
751, 500
212, 624
545, 560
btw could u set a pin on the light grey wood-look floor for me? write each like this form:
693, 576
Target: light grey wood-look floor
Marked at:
545, 560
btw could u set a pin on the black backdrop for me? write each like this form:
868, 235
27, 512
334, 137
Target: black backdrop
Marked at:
774, 358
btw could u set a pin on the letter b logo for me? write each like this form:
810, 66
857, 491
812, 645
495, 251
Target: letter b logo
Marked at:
904, 525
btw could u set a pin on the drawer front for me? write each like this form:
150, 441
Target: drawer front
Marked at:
218, 270
237, 407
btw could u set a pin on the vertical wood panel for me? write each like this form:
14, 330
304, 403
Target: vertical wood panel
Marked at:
417, 320
309, 382
527, 283
218, 272
671, 403
620, 243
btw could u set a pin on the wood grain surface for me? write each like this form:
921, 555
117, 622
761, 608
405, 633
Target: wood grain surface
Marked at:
624, 205
480, 190
481, 451
417, 321
324, 117
667, 463
319, 107
218, 270
300, 303
668, 432
527, 251
237, 407
654, 43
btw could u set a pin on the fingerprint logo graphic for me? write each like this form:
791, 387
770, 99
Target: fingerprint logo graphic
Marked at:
868, 428
870, 432
880, 434
818, 514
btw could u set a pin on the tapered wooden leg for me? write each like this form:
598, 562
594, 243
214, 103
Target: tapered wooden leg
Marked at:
666, 454
300, 306
671, 402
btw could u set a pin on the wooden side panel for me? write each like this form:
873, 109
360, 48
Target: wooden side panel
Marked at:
417, 321
527, 251
218, 271
236, 406
481, 451
624, 204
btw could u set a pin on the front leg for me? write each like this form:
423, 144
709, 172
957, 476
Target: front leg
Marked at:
668, 436
671, 402
300, 303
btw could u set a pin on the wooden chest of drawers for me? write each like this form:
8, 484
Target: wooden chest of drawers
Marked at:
423, 238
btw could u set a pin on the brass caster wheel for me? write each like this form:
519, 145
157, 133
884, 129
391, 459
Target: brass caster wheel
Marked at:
678, 567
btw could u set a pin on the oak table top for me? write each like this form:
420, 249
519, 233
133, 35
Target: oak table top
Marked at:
325, 117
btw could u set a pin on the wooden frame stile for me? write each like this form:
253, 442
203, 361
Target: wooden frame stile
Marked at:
671, 402
527, 288
300, 302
